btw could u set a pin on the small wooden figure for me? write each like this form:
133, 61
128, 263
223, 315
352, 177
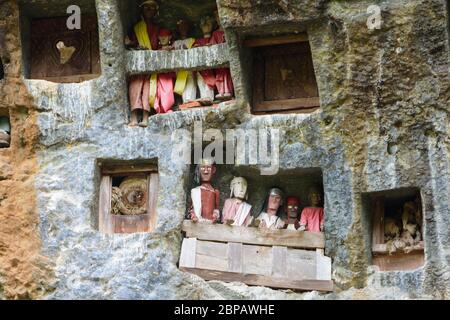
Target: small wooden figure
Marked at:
206, 79
205, 198
144, 37
312, 216
292, 213
224, 83
236, 212
186, 84
163, 97
270, 217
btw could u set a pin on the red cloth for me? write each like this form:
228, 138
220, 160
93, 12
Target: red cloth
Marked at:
165, 32
208, 75
165, 98
218, 36
210, 202
223, 76
312, 218
224, 83
153, 31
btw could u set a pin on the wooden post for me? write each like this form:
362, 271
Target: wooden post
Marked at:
279, 261
378, 220
188, 252
235, 257
104, 218
153, 186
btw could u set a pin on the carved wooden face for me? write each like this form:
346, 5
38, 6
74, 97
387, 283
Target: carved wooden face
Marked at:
183, 28
207, 26
207, 172
164, 40
149, 11
240, 188
275, 201
315, 199
292, 210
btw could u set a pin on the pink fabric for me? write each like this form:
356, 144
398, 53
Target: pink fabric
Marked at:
208, 75
312, 218
229, 210
165, 98
223, 76
139, 92
223, 81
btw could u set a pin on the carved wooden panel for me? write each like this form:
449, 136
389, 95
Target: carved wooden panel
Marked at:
62, 55
284, 78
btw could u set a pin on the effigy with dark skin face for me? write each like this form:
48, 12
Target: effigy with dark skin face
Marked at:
292, 213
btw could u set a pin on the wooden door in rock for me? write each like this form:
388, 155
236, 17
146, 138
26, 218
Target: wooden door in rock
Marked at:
284, 78
62, 55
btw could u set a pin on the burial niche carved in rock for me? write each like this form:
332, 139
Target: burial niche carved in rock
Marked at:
128, 197
283, 75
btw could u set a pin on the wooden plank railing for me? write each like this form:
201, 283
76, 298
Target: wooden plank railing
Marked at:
255, 236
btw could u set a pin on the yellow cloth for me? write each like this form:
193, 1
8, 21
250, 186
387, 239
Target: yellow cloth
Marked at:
140, 29
180, 83
153, 86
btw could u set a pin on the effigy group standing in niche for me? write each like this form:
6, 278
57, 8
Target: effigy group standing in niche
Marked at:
205, 200
157, 91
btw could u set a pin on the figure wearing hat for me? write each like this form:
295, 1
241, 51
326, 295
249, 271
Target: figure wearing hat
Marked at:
224, 83
270, 217
292, 213
312, 216
144, 37
236, 211
164, 97
205, 198
186, 84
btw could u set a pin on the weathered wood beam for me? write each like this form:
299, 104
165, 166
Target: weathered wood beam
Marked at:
272, 41
127, 169
265, 281
225, 233
158, 61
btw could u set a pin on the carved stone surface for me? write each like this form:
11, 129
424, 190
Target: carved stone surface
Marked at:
383, 124
147, 61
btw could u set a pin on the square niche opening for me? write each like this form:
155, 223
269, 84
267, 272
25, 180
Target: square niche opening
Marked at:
128, 197
52, 51
284, 80
294, 182
5, 128
170, 12
276, 258
396, 219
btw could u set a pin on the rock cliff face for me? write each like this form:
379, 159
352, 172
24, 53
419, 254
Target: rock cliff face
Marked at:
383, 124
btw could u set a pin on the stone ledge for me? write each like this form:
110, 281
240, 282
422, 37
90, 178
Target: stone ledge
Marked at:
148, 61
